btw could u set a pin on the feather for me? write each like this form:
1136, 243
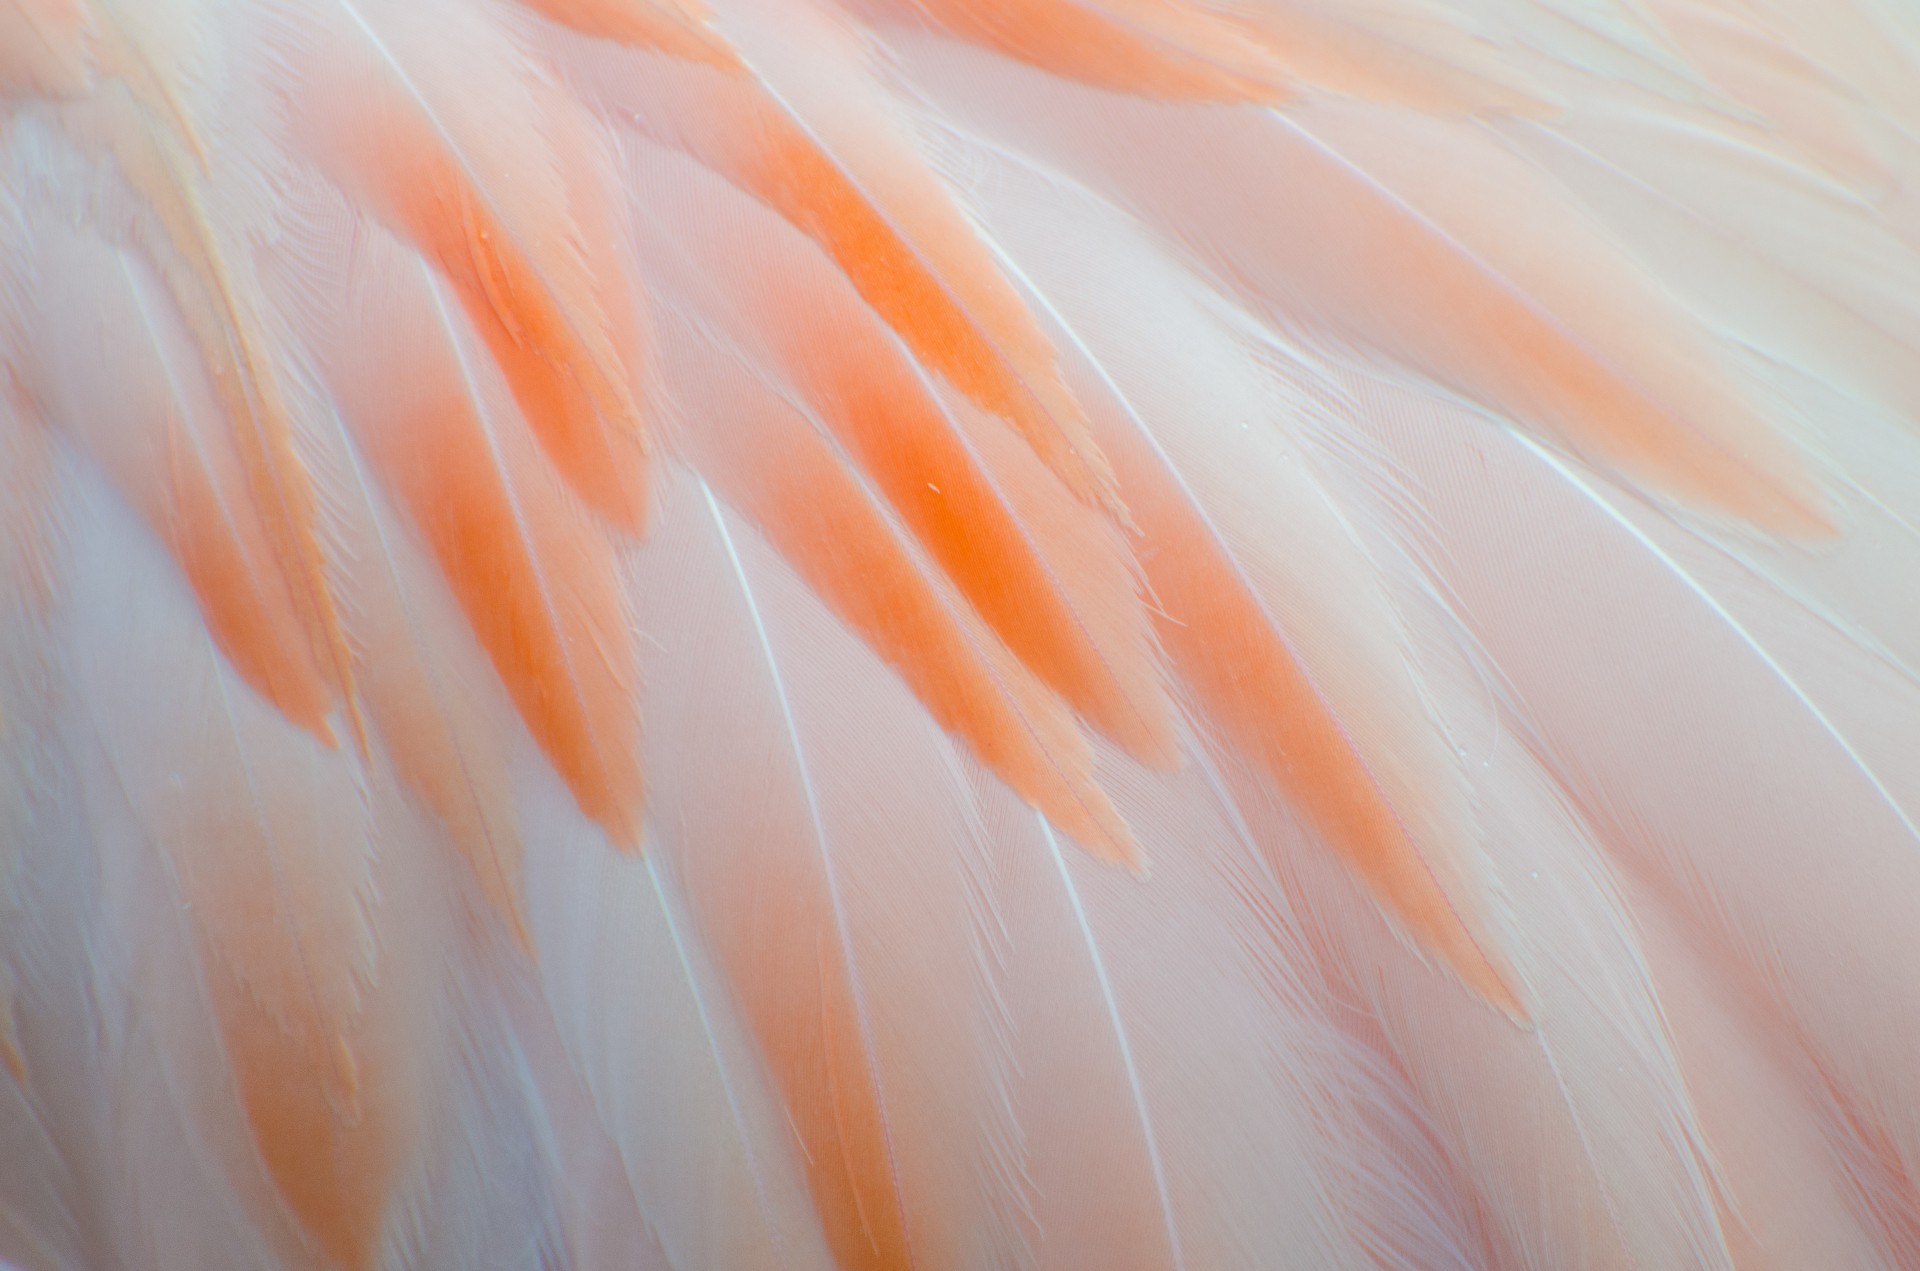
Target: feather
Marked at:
1318, 699
642, 1016
390, 123
1530, 322
1403, 54
1158, 48
813, 142
155, 429
852, 962
533, 574
827, 526
152, 177
45, 48
1271, 633
268, 839
1051, 578
1685, 815
676, 27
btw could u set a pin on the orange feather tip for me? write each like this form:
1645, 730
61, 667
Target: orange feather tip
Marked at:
1462, 956
1797, 508
517, 256
960, 320
1097, 827
311, 1156
1161, 49
677, 28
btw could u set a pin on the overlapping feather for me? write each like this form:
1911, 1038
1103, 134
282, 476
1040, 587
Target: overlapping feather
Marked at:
1149, 633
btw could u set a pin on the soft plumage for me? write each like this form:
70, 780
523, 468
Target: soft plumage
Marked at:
960, 634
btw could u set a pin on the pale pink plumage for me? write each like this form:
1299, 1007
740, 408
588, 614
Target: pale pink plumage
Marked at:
954, 634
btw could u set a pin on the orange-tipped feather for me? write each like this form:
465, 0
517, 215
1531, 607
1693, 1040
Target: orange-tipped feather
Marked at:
1167, 49
220, 311
1273, 633
676, 27
270, 849
157, 430
814, 144
1050, 576
763, 456
427, 158
533, 573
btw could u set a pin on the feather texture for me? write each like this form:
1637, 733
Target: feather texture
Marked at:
883, 634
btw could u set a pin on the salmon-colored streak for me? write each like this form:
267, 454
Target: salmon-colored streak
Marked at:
525, 287
1153, 48
538, 584
283, 495
242, 587
1487, 338
853, 1182
674, 27
45, 48
791, 979
772, 464
242, 373
535, 577
1065, 604
331, 1156
914, 260
179, 467
447, 742
971, 685
1322, 49
1252, 689
585, 417
896, 433
1543, 366
274, 873
762, 892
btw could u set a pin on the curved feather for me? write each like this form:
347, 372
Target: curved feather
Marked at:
155, 429
1164, 49
269, 840
1241, 546
185, 239
390, 121
1529, 321
534, 575
1052, 578
812, 140
1423, 487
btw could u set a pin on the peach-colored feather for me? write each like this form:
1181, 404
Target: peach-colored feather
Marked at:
271, 851
810, 142
154, 428
534, 576
1408, 56
1158, 48
763, 456
218, 308
1050, 576
672, 27
45, 48
1272, 633
401, 137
